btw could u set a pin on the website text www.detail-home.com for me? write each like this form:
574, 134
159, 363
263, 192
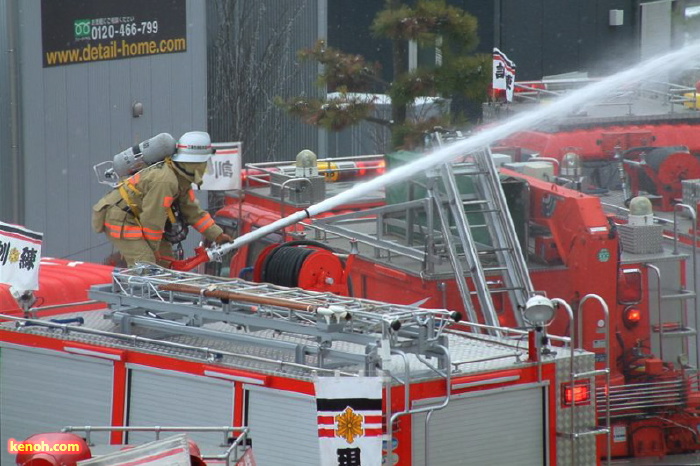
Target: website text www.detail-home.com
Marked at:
113, 50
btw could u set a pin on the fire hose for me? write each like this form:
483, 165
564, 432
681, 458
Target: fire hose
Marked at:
216, 253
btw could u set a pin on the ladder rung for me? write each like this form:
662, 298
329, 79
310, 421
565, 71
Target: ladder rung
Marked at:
468, 170
673, 328
584, 433
494, 250
494, 269
481, 211
582, 375
505, 289
687, 294
678, 332
474, 201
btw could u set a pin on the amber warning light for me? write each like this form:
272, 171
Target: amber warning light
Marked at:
580, 393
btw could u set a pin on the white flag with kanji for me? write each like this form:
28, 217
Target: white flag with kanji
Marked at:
349, 420
20, 253
503, 73
224, 168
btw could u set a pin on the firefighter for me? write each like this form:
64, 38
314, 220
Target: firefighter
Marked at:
151, 210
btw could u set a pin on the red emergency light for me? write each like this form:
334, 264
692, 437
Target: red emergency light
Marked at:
377, 167
580, 393
631, 317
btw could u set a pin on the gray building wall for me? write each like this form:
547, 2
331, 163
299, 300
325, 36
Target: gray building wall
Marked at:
75, 116
252, 59
8, 168
543, 37
566, 36
5, 177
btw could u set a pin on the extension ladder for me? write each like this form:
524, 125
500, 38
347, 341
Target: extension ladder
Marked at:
497, 253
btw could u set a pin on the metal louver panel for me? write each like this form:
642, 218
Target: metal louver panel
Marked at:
496, 427
44, 391
167, 398
283, 427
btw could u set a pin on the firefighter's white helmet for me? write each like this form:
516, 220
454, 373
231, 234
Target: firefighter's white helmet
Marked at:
194, 146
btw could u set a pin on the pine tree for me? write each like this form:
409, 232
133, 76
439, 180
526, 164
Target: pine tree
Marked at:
457, 73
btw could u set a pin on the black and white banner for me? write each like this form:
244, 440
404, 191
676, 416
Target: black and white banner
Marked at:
350, 420
503, 73
20, 252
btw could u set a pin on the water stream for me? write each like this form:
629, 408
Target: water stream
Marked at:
654, 68
676, 61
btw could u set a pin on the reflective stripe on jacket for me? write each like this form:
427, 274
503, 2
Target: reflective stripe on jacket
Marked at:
156, 189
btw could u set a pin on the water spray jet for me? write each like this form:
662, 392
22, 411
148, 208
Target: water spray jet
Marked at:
559, 108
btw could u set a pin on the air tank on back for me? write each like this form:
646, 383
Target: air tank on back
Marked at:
140, 156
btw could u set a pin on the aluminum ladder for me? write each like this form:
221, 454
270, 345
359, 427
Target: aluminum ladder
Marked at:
500, 257
181, 303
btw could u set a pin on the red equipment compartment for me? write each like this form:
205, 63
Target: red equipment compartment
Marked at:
598, 142
648, 438
624, 140
620, 441
654, 366
546, 249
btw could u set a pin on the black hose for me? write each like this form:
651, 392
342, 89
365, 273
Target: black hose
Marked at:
306, 242
268, 275
283, 265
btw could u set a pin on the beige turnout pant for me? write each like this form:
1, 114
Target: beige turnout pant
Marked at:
138, 250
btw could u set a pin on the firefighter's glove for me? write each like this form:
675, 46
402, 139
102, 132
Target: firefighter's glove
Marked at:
223, 238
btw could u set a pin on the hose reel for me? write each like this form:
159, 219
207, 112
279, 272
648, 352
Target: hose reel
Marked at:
304, 264
659, 172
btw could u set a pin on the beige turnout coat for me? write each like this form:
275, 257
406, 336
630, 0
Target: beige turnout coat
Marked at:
139, 209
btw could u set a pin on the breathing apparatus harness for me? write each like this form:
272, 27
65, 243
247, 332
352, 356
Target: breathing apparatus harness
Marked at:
176, 229
193, 146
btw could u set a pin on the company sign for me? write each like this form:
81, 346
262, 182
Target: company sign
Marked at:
81, 31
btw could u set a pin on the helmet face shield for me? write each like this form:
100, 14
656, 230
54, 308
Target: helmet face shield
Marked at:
199, 169
194, 171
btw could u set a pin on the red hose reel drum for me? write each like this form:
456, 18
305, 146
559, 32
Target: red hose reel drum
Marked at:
673, 168
663, 171
303, 264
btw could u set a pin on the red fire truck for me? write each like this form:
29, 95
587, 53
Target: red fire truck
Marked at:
404, 245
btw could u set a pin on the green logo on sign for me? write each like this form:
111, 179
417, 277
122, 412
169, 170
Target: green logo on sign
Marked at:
81, 28
603, 255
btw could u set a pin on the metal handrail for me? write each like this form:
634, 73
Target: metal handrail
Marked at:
269, 168
284, 187
604, 306
429, 409
657, 271
533, 92
407, 400
578, 329
572, 350
693, 218
134, 339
